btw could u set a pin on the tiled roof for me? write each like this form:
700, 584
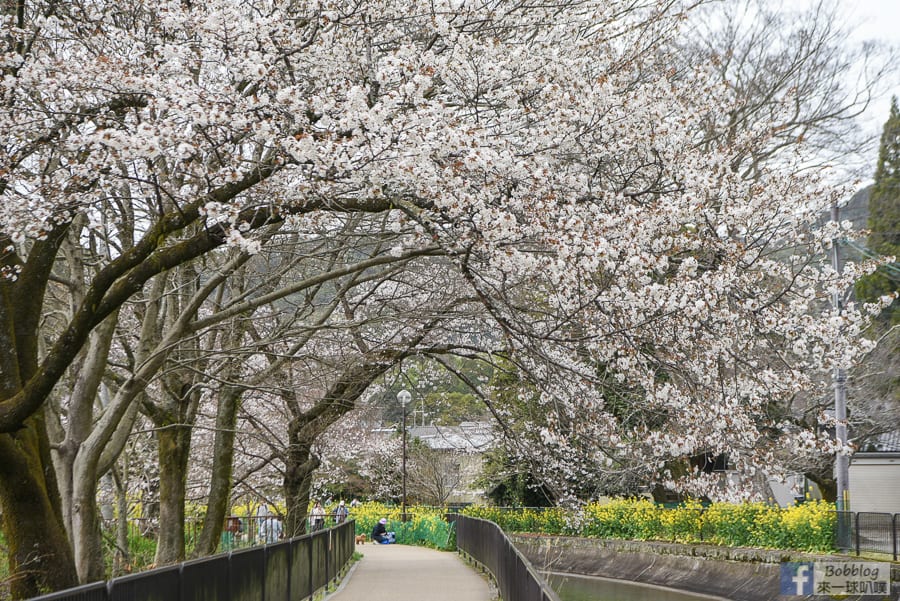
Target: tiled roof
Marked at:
468, 437
889, 442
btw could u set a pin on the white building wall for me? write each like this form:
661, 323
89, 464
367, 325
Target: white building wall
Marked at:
471, 466
786, 493
875, 482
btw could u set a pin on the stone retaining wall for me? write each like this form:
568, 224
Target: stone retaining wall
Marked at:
738, 574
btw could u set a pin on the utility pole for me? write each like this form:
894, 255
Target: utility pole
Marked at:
841, 460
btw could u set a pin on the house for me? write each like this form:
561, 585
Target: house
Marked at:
875, 476
467, 444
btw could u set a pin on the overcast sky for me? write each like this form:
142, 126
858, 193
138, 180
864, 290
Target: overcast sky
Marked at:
877, 20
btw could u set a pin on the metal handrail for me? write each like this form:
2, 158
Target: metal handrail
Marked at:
486, 543
292, 569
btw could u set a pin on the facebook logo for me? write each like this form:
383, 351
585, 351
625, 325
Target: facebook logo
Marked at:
796, 578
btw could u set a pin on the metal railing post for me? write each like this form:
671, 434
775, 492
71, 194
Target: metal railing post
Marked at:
312, 580
327, 559
228, 578
894, 533
181, 581
856, 525
265, 569
290, 566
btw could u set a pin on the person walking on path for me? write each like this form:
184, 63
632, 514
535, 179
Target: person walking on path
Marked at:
340, 513
317, 517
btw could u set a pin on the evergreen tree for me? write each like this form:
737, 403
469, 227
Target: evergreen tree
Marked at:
884, 219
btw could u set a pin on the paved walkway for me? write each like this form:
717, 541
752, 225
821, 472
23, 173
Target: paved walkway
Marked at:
406, 573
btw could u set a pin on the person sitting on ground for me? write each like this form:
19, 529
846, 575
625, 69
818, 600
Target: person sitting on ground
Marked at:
379, 532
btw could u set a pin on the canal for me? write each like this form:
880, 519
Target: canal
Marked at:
595, 588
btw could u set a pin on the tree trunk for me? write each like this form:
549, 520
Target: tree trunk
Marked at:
40, 558
122, 558
300, 464
77, 457
222, 470
87, 540
827, 485
306, 426
174, 450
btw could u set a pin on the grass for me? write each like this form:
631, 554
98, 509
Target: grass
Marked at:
4, 570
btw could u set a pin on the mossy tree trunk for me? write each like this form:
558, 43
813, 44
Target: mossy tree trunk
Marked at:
174, 427
300, 465
174, 450
222, 471
40, 558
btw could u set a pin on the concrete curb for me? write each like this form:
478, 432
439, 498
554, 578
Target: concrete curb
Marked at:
738, 574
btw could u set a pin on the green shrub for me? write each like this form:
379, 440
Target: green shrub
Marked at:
141, 551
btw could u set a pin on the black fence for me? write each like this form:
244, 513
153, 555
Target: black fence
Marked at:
285, 571
868, 532
487, 544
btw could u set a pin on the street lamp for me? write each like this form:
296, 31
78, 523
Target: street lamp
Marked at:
404, 397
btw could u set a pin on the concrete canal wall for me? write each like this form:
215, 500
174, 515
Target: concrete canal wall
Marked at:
738, 574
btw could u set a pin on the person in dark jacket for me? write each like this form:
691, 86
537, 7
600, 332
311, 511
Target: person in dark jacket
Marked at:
379, 532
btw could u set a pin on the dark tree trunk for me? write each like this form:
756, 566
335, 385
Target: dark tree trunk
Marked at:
174, 450
174, 420
827, 485
300, 464
222, 470
40, 558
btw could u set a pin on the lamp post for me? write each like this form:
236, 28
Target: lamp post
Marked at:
404, 397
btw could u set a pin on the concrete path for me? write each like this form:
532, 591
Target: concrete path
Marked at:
405, 573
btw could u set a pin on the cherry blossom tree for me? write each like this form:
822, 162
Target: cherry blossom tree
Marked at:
434, 475
545, 165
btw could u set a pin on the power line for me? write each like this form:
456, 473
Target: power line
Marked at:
891, 268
